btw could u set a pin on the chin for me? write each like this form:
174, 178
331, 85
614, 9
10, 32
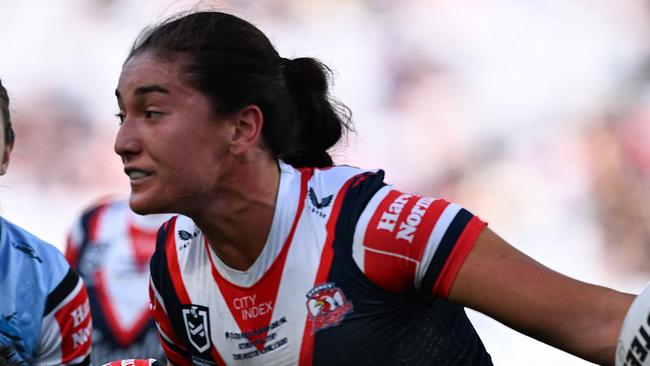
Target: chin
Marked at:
143, 206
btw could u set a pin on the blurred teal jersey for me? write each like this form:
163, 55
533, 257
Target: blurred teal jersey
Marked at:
44, 309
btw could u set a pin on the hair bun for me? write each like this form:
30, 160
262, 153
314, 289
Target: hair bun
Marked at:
305, 72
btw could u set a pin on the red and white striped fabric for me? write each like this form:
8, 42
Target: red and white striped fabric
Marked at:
134, 362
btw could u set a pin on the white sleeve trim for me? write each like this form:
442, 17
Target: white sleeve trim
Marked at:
358, 243
433, 242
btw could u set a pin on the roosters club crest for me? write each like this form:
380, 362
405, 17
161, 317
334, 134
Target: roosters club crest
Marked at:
197, 325
327, 306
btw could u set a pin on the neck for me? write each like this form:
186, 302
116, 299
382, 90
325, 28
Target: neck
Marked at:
238, 219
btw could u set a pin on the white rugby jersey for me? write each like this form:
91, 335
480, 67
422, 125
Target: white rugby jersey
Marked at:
44, 310
353, 272
110, 246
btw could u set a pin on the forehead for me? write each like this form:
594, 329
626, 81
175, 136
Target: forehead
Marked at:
147, 69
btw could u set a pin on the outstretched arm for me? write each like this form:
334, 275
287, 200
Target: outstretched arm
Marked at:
500, 281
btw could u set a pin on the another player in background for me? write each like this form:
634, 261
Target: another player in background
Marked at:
110, 246
44, 310
282, 258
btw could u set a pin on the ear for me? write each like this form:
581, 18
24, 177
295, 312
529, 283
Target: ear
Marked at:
6, 153
247, 131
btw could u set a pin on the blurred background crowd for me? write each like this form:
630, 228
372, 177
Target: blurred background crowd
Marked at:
535, 115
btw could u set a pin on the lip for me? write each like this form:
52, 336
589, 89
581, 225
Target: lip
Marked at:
137, 176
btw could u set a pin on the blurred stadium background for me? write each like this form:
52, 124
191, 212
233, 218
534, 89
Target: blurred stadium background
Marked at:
533, 114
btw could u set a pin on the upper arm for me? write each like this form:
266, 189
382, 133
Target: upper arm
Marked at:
502, 282
66, 329
404, 241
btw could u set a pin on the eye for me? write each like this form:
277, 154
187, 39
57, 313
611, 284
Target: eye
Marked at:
121, 117
149, 114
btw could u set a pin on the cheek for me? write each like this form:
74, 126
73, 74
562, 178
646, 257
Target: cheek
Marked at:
188, 173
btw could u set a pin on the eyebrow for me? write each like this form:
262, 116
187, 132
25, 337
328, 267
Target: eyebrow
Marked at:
146, 89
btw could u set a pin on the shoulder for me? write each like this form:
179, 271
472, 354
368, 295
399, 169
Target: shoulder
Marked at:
23, 246
177, 228
338, 175
341, 178
356, 185
174, 236
31, 260
104, 204
91, 216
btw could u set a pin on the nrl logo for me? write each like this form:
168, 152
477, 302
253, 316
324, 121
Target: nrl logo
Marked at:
197, 326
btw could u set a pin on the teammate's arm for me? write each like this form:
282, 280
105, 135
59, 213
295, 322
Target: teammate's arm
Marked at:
577, 317
66, 328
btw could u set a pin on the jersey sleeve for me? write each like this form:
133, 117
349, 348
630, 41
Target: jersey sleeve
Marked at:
66, 329
404, 241
162, 296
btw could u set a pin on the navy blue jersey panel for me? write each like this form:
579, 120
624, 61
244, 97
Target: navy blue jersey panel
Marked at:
419, 332
445, 248
386, 328
162, 281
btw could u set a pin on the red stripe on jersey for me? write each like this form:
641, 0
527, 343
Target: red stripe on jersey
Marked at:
162, 320
429, 218
307, 348
176, 358
93, 223
360, 180
125, 335
252, 307
130, 362
402, 224
71, 252
143, 244
396, 238
76, 327
172, 263
457, 256
388, 271
175, 274
384, 226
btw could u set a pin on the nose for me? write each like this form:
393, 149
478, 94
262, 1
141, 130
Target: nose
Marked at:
127, 141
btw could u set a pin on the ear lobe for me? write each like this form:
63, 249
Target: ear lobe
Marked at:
248, 124
6, 154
